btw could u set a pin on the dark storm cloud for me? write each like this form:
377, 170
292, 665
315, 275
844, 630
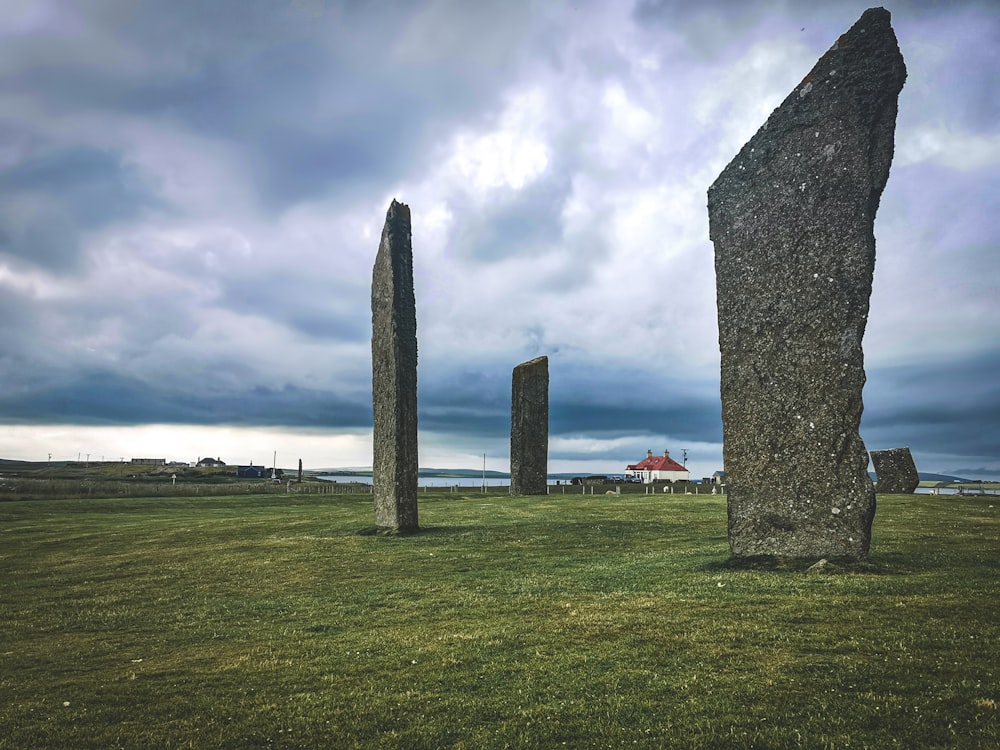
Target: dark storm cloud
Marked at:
108, 398
694, 420
298, 89
49, 199
478, 404
935, 407
523, 222
312, 305
466, 401
639, 403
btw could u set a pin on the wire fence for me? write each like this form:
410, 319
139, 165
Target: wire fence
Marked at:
32, 488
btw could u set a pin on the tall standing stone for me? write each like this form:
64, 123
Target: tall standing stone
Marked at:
529, 428
896, 472
394, 376
792, 221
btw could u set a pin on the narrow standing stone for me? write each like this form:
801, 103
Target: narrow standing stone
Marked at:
792, 219
529, 428
394, 376
896, 472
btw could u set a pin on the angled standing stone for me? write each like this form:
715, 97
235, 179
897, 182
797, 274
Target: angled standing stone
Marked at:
792, 221
529, 428
896, 472
394, 376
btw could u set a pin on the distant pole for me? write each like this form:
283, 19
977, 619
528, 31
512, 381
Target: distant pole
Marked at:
274, 465
88, 460
685, 457
50, 460
484, 472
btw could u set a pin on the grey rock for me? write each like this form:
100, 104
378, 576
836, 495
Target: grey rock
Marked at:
896, 472
792, 220
529, 428
819, 566
394, 376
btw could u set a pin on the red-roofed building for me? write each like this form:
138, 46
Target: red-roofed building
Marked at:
658, 469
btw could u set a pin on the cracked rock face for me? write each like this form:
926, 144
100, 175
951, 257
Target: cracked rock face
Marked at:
896, 472
792, 221
529, 428
394, 376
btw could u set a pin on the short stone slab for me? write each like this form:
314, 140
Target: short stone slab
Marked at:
529, 428
896, 471
792, 220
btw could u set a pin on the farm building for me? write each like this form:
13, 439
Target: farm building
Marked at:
657, 469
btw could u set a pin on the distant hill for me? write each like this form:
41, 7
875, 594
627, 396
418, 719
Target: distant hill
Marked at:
926, 476
366, 471
460, 473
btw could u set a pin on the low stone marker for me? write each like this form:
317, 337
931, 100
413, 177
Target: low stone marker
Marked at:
896, 472
792, 220
394, 376
529, 428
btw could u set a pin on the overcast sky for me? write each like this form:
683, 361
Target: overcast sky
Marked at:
192, 193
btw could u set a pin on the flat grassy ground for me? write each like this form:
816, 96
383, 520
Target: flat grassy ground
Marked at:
242, 622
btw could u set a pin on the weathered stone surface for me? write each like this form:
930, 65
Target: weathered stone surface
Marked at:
529, 428
394, 376
792, 221
896, 472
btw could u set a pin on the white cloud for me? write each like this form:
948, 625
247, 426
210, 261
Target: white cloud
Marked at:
234, 445
739, 97
512, 155
948, 146
629, 121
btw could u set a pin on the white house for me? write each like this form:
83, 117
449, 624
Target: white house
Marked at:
658, 469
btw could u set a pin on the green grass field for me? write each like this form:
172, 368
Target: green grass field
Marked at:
567, 621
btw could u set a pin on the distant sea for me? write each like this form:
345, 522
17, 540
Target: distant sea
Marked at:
432, 481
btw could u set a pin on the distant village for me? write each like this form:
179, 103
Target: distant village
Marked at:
653, 469
248, 471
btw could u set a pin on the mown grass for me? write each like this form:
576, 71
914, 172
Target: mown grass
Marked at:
577, 621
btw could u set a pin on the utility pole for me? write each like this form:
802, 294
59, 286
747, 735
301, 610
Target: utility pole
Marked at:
484, 473
685, 450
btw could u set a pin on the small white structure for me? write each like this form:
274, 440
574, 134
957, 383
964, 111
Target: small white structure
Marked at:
658, 469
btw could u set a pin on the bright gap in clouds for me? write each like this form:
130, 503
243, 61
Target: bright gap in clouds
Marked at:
234, 445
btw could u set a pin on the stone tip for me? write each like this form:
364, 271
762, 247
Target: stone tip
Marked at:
535, 362
877, 12
398, 209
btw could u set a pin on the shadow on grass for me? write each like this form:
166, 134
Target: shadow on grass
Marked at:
894, 564
380, 531
572, 529
422, 531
